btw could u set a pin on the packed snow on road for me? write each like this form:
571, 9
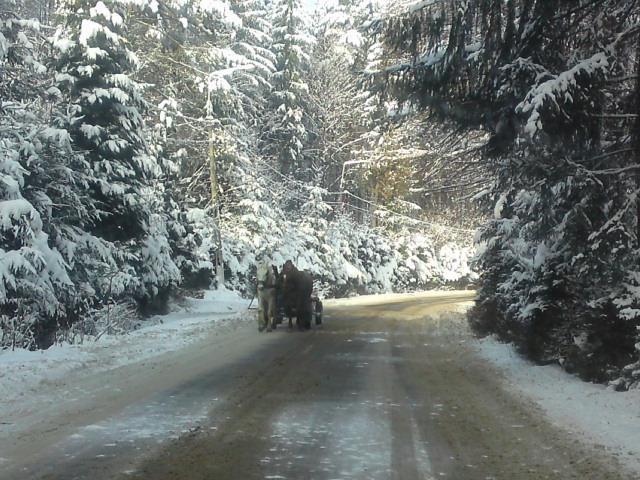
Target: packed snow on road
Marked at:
36, 384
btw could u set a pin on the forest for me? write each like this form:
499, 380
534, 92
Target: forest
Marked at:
150, 148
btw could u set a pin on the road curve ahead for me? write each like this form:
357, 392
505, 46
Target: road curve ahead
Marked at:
385, 389
382, 391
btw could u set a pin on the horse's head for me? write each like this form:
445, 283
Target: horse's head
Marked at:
272, 276
266, 276
288, 267
262, 274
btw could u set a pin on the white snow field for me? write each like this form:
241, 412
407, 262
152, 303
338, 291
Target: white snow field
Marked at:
49, 385
384, 298
594, 413
25, 377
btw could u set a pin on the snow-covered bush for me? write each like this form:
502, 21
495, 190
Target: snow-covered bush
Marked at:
344, 256
426, 262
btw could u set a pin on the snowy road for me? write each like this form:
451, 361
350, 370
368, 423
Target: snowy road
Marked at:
383, 391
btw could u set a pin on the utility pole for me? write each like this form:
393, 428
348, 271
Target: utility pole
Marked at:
213, 174
216, 145
635, 158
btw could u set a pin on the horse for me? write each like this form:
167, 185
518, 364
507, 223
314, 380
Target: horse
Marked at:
268, 281
297, 287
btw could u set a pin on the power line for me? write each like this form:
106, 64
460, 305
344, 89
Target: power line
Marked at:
423, 222
300, 196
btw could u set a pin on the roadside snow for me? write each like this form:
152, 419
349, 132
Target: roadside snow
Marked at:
596, 414
22, 372
385, 298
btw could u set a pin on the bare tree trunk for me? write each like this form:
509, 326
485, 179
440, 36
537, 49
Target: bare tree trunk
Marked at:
372, 207
636, 138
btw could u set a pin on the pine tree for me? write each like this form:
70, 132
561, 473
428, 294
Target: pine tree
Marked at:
253, 44
334, 106
95, 67
285, 134
42, 204
550, 89
106, 122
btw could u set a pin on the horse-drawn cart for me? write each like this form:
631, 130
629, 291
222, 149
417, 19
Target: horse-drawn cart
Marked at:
291, 295
315, 308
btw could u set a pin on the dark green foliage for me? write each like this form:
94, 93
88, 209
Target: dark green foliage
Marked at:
285, 133
108, 106
553, 84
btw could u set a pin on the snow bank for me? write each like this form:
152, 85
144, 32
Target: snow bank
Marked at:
214, 302
380, 299
593, 412
23, 371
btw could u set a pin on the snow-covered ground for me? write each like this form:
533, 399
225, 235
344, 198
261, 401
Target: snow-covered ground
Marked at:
22, 373
381, 299
594, 413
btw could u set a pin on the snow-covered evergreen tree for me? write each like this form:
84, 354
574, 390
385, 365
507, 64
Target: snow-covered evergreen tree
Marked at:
95, 66
106, 121
253, 43
285, 134
119, 177
41, 196
334, 107
553, 89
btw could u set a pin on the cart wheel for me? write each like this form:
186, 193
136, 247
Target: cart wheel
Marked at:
318, 312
